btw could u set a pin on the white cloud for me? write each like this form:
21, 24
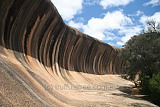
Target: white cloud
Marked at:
130, 32
153, 3
77, 25
91, 2
155, 17
120, 43
100, 27
114, 3
138, 13
103, 28
68, 8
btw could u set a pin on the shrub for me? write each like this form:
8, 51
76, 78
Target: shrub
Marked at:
154, 87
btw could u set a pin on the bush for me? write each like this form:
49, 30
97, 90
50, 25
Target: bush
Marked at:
145, 86
154, 87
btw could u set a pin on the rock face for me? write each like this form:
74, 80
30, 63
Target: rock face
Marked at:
35, 29
39, 53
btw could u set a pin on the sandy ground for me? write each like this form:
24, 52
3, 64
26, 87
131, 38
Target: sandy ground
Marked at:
22, 85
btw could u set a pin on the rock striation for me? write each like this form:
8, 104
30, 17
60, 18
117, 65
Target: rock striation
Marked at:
36, 29
39, 52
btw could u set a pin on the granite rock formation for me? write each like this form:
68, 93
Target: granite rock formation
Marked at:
39, 53
36, 29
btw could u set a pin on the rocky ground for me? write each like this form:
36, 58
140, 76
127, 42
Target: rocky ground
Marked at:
20, 87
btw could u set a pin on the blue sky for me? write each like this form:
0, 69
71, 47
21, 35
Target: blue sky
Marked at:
112, 21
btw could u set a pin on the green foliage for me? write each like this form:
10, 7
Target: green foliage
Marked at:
154, 87
142, 54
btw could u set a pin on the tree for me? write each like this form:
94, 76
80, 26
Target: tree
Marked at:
152, 26
141, 55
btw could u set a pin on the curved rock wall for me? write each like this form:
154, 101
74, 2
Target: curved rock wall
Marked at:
35, 28
40, 53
